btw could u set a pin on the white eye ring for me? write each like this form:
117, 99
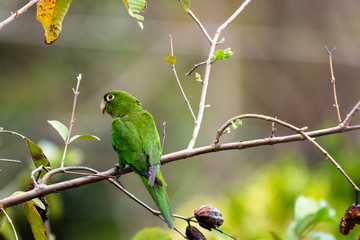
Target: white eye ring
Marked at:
109, 97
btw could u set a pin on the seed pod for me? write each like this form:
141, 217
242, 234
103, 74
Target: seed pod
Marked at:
208, 217
194, 234
350, 219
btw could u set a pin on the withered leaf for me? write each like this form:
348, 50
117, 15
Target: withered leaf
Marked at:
350, 219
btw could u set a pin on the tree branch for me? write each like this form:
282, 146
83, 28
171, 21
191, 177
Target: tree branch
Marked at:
72, 120
17, 13
178, 81
336, 105
205, 82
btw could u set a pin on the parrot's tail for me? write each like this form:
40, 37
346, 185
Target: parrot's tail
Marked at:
160, 197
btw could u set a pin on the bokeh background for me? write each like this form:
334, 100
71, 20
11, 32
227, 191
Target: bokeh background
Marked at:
279, 68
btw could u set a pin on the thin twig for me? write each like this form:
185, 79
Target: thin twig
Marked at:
273, 130
192, 15
336, 105
17, 13
10, 221
221, 231
72, 120
351, 114
194, 68
290, 126
10, 160
163, 137
178, 81
213, 44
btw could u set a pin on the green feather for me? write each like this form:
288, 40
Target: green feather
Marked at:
137, 144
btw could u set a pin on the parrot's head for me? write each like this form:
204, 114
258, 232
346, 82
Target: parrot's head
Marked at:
118, 103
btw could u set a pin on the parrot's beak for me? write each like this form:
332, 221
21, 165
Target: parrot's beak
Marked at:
103, 106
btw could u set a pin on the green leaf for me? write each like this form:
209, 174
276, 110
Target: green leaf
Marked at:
170, 58
152, 234
275, 236
60, 128
37, 154
325, 212
303, 224
304, 206
84, 137
37, 202
290, 231
185, 4
322, 236
50, 13
218, 55
222, 54
134, 7
34, 219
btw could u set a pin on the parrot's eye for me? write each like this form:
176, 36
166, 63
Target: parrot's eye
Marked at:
109, 97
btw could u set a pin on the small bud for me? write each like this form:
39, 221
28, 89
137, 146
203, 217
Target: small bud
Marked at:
198, 77
350, 219
227, 130
194, 234
208, 217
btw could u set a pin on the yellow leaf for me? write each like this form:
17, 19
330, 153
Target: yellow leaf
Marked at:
51, 14
35, 221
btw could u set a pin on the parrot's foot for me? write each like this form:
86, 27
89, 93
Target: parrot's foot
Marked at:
118, 171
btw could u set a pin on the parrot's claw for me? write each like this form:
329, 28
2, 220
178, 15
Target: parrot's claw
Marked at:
118, 171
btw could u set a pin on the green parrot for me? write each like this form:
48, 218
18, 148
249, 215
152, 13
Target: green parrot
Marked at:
137, 144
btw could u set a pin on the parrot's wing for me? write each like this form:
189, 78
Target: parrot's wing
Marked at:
127, 143
150, 137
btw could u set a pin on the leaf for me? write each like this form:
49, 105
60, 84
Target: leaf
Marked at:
154, 233
238, 122
304, 206
170, 58
222, 54
275, 236
218, 55
322, 236
35, 221
38, 203
37, 154
84, 137
185, 4
60, 128
51, 14
134, 7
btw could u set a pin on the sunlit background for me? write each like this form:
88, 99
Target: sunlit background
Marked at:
279, 68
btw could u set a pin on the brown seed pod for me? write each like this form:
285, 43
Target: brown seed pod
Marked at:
208, 217
194, 234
